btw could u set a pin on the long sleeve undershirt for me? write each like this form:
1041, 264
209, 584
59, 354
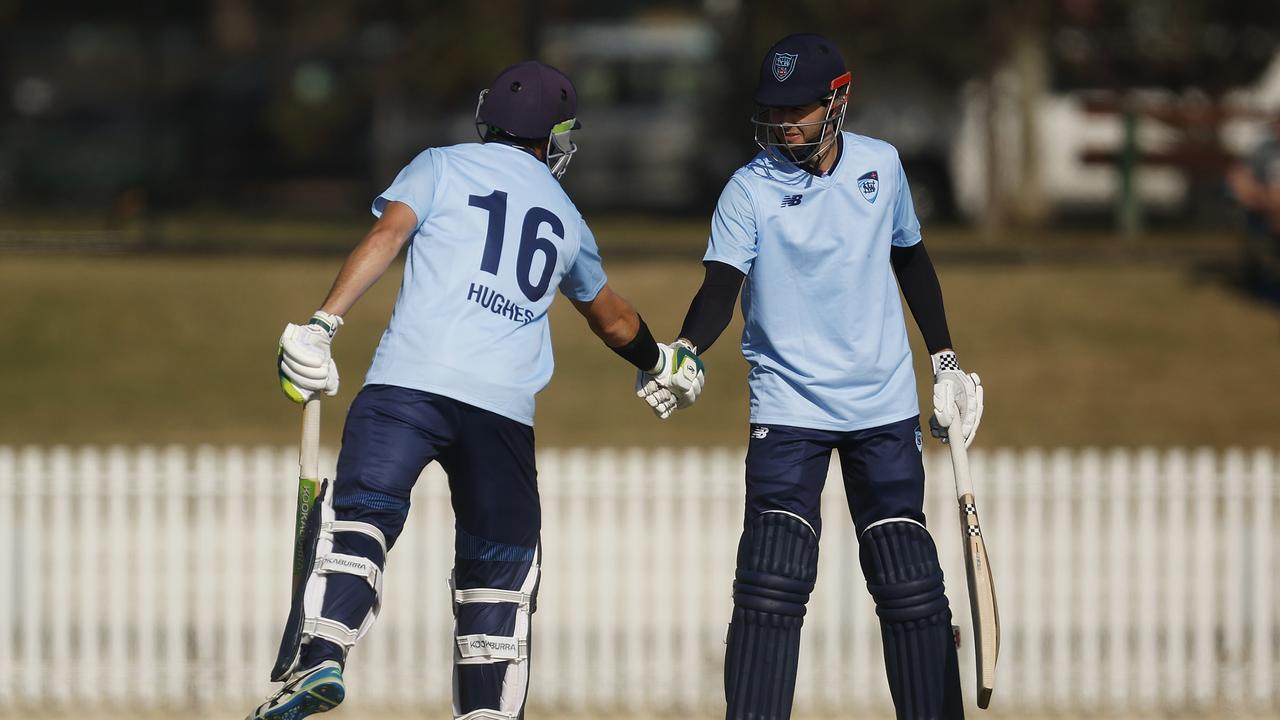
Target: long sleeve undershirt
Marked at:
920, 286
712, 307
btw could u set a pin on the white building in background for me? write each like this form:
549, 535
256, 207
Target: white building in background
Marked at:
1065, 131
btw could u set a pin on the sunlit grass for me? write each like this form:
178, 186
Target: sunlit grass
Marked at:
131, 349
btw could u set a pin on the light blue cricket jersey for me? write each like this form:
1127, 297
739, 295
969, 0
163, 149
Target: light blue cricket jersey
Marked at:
824, 335
496, 236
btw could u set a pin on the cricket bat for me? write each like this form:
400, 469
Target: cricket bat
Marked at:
306, 527
982, 591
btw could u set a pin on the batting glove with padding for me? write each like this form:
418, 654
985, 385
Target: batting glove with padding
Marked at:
304, 360
679, 372
954, 391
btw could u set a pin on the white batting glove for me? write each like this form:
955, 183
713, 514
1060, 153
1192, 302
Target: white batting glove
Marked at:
659, 399
954, 390
304, 360
679, 372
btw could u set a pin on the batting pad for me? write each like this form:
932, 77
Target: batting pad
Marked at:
900, 563
491, 628
777, 569
343, 548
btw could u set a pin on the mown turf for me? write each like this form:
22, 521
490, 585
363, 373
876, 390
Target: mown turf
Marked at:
123, 349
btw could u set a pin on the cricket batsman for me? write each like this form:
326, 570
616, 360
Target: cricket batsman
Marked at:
819, 225
491, 235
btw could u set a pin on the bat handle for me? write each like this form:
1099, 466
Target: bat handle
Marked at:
959, 459
309, 452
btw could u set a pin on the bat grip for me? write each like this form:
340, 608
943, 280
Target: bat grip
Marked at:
309, 453
960, 460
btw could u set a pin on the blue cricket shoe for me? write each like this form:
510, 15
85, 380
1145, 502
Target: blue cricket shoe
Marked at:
308, 692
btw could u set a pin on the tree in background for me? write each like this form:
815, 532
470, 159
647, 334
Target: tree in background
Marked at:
233, 102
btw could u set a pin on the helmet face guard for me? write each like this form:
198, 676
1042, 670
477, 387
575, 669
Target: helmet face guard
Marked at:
770, 135
559, 148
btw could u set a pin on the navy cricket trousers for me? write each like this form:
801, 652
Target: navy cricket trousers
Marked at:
882, 469
391, 434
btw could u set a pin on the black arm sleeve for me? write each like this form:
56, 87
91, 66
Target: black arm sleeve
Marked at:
919, 283
642, 350
712, 307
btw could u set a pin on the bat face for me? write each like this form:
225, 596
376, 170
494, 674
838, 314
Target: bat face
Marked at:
307, 520
982, 600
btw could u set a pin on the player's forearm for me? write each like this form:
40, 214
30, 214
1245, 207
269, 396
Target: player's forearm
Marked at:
610, 317
618, 330
620, 327
919, 282
363, 267
712, 306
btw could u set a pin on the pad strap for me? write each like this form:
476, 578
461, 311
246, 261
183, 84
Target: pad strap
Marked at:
356, 565
481, 649
491, 595
331, 630
488, 715
364, 528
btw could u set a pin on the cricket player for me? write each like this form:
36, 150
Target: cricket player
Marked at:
491, 236
1255, 183
819, 225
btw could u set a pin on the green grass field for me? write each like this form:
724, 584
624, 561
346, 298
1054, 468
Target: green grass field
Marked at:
172, 349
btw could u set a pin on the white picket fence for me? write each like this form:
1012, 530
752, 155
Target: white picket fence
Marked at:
1129, 581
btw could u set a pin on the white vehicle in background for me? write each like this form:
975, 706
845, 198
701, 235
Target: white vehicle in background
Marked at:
646, 91
660, 134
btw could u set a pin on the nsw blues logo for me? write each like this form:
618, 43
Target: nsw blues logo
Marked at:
869, 186
783, 65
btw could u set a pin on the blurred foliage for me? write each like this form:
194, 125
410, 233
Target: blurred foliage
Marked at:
1205, 44
155, 105
905, 35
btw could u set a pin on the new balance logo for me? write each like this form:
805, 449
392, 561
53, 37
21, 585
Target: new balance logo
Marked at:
760, 432
791, 200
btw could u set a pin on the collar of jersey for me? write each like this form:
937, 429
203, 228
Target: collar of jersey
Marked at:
521, 150
830, 174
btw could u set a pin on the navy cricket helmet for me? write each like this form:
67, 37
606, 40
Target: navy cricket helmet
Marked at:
801, 69
531, 101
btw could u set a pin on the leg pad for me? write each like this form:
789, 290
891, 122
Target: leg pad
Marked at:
900, 563
777, 569
495, 587
339, 600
